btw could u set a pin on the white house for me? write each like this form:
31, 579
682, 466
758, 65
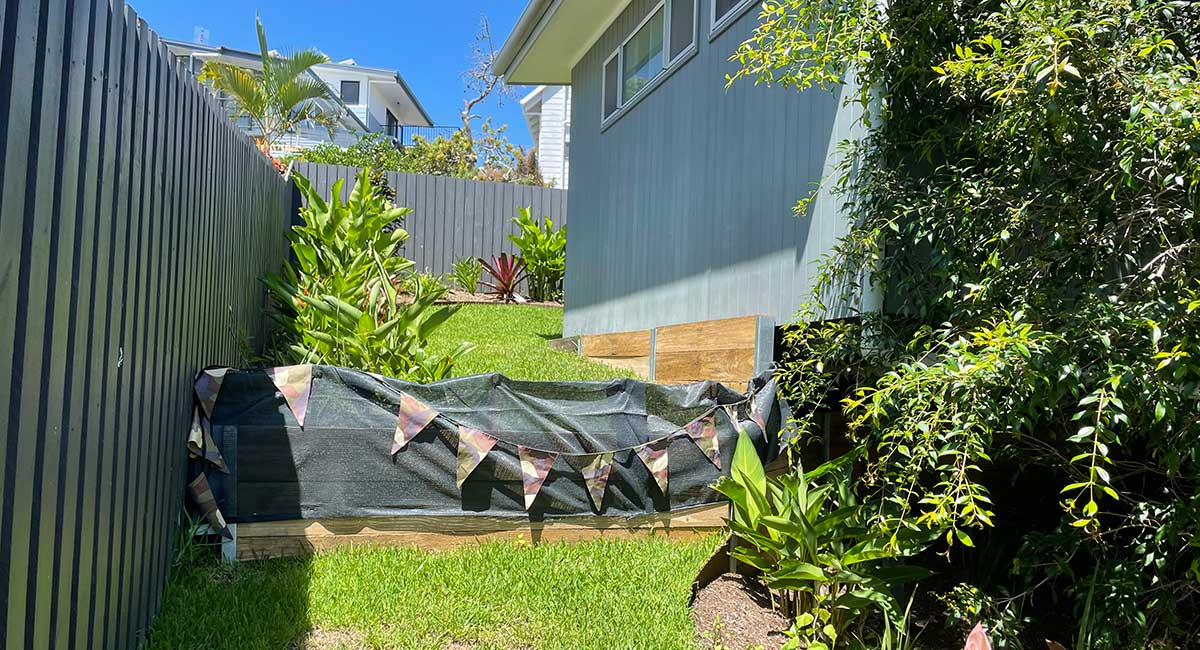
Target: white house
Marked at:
548, 113
369, 100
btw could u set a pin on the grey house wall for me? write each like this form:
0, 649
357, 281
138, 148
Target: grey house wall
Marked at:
452, 218
136, 220
681, 209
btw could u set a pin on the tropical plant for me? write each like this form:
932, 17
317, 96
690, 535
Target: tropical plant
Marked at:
337, 303
808, 535
506, 274
280, 96
466, 274
423, 284
544, 250
1024, 192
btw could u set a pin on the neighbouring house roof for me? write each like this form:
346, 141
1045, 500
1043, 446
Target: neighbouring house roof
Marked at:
399, 92
551, 36
531, 107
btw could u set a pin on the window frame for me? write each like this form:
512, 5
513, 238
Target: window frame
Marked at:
718, 25
342, 91
621, 99
669, 19
669, 65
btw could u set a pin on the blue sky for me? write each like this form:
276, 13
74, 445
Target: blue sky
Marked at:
429, 43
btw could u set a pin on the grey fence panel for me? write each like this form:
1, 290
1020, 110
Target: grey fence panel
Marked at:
452, 217
136, 220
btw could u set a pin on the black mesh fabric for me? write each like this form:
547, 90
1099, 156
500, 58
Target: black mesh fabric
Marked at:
339, 465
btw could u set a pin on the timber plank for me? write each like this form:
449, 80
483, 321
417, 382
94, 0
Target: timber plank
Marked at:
726, 334
288, 538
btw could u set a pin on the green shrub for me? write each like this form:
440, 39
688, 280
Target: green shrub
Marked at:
808, 536
489, 158
338, 303
467, 273
424, 284
1024, 193
544, 251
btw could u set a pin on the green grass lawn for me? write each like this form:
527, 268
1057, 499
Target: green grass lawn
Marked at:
601, 594
511, 339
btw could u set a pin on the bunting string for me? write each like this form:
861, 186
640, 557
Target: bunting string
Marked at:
413, 410
294, 383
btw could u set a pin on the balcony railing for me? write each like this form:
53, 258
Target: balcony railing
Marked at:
403, 135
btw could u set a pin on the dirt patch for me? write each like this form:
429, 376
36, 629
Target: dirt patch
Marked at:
320, 639
735, 612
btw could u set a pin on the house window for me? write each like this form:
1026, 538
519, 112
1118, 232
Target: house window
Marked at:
682, 27
350, 92
611, 76
725, 12
642, 56
659, 42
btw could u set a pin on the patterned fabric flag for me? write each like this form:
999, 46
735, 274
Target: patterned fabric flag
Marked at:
595, 475
415, 415
731, 411
295, 383
978, 640
202, 494
757, 416
208, 386
535, 466
473, 447
654, 456
703, 432
201, 444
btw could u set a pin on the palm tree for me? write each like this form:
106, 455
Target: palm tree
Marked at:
279, 97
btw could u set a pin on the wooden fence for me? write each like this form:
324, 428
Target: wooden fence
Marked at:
135, 220
452, 217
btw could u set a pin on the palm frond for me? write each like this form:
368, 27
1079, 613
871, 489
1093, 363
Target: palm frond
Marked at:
239, 83
262, 45
291, 95
293, 66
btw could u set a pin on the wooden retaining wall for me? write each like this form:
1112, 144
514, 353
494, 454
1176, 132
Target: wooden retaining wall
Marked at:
731, 350
290, 538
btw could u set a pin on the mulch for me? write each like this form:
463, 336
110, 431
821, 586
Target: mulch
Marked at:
735, 612
455, 297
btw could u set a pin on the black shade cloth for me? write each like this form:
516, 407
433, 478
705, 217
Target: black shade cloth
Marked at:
339, 465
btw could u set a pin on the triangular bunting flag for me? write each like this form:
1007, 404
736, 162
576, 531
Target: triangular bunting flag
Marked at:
654, 456
415, 415
535, 466
595, 475
703, 432
202, 494
731, 411
208, 386
295, 383
757, 416
201, 444
473, 447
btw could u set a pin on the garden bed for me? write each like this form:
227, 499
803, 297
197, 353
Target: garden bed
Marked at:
455, 296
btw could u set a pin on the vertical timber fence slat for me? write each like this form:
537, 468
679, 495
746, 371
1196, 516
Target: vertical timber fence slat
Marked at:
135, 222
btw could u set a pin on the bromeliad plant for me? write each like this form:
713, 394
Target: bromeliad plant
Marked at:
807, 534
544, 250
507, 272
337, 304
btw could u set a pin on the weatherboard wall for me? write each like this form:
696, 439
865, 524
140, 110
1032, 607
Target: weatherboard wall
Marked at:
682, 207
135, 221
